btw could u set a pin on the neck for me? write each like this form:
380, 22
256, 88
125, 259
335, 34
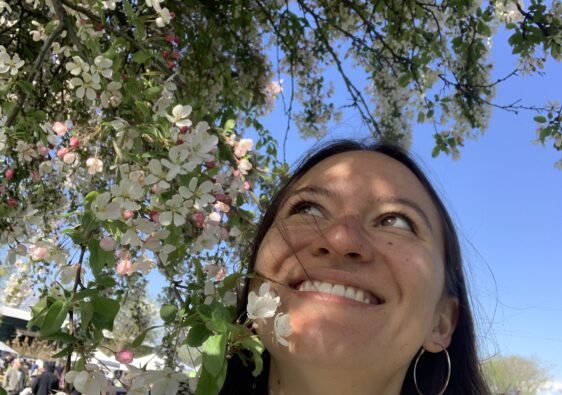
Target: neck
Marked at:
304, 379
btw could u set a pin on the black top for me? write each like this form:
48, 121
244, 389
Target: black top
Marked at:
45, 383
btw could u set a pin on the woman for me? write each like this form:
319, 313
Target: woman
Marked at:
367, 264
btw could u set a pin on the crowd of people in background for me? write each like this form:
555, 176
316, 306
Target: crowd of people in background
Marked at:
22, 376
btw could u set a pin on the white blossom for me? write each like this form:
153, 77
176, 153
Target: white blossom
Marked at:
105, 210
179, 116
264, 304
200, 194
89, 381
176, 213
87, 85
282, 328
163, 18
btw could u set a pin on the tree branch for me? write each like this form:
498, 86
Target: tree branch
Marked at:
63, 16
34, 70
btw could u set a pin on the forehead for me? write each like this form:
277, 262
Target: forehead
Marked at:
370, 175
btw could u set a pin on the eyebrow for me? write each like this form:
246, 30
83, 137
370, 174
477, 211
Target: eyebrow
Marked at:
327, 193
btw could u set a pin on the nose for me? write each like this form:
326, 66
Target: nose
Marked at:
346, 237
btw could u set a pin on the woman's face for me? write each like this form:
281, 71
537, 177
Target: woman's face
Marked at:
356, 255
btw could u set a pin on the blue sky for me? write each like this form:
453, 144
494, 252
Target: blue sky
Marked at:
504, 194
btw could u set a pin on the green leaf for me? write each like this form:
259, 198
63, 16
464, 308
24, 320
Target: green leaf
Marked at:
197, 335
435, 152
255, 346
214, 350
39, 311
86, 313
89, 198
220, 318
61, 336
540, 119
64, 352
74, 234
105, 282
105, 310
26, 87
96, 257
209, 384
168, 313
205, 312
229, 282
129, 9
153, 93
229, 125
141, 57
3, 391
140, 338
55, 317
79, 365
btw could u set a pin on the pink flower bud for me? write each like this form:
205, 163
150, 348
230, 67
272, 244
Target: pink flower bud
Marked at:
124, 267
108, 244
199, 219
223, 233
155, 189
42, 150
124, 356
74, 142
210, 164
236, 173
169, 38
184, 129
12, 202
60, 128
9, 174
128, 214
166, 54
155, 215
61, 152
35, 176
247, 185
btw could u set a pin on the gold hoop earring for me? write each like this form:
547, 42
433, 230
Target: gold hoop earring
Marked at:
448, 372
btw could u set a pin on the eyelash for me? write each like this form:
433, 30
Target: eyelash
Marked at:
299, 204
294, 208
398, 213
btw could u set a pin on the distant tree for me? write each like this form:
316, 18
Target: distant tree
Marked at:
512, 375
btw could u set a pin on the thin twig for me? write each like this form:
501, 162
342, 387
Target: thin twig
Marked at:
34, 70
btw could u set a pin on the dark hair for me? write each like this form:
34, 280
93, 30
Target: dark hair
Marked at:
466, 377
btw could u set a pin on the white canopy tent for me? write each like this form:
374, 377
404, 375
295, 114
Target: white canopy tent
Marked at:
5, 348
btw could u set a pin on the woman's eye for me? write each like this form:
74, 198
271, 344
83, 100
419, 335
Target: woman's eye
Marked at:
306, 208
397, 221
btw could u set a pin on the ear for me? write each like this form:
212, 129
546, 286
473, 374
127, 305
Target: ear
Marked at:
446, 319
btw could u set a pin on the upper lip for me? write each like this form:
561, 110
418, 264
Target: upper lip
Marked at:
334, 276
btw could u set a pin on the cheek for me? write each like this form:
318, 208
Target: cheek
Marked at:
279, 245
417, 271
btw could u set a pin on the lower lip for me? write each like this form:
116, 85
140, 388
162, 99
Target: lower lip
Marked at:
332, 299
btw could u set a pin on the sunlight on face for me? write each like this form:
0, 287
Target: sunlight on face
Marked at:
356, 252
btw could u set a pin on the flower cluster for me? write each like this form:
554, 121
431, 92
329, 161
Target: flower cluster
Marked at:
263, 305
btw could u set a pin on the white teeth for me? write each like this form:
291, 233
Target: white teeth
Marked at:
338, 289
335, 289
325, 287
360, 295
350, 292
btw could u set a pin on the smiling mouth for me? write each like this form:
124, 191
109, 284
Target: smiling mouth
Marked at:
340, 290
